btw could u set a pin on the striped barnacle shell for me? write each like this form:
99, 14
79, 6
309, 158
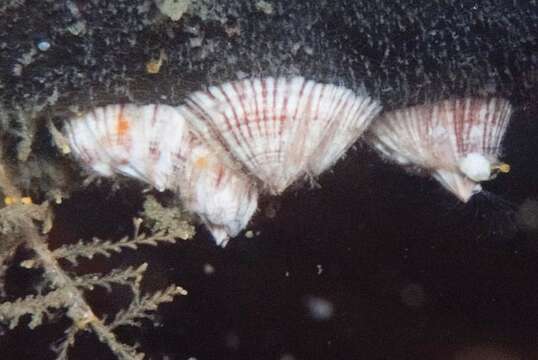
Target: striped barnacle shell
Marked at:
128, 139
458, 141
280, 129
352, 115
153, 143
225, 199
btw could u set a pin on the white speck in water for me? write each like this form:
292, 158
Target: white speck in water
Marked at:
209, 269
413, 295
196, 42
319, 309
43, 45
232, 340
287, 356
527, 214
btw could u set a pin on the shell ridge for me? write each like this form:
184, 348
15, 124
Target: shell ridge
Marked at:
334, 133
242, 127
91, 127
200, 119
302, 129
500, 111
74, 141
167, 137
504, 116
288, 128
132, 140
136, 142
300, 133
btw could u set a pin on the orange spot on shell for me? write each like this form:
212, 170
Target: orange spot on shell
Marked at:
200, 162
122, 126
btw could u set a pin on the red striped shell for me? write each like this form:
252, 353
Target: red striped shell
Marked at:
128, 139
279, 129
225, 199
212, 149
153, 143
457, 140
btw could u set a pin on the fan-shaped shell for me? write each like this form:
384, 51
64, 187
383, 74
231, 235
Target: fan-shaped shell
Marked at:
153, 143
457, 140
352, 116
279, 129
129, 139
224, 199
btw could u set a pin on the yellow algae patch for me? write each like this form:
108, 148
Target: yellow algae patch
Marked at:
10, 200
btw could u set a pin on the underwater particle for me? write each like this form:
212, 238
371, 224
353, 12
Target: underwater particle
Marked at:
209, 269
486, 351
232, 340
413, 295
24, 60
527, 214
174, 9
308, 50
264, 7
287, 356
154, 65
249, 234
233, 29
279, 130
43, 45
319, 309
77, 28
457, 141
196, 42
271, 210
17, 69
73, 8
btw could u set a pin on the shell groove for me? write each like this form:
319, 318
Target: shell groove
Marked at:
457, 140
279, 129
153, 143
